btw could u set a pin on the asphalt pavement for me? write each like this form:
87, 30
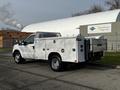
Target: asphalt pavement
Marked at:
37, 75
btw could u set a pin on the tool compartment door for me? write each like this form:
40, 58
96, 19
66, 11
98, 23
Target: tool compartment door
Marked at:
81, 50
70, 54
40, 49
54, 45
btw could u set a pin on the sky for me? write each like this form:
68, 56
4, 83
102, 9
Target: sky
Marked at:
34, 11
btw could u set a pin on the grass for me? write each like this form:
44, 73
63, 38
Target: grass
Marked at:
111, 58
4, 50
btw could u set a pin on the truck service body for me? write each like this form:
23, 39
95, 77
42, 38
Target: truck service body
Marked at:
41, 48
57, 50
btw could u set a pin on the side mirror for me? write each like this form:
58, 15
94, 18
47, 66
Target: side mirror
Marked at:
16, 42
23, 43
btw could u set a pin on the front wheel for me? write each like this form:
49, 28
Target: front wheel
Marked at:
18, 59
56, 63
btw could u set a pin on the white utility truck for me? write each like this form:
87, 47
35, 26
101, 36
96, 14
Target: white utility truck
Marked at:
59, 50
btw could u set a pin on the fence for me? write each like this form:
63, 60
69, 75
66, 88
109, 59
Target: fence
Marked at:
113, 42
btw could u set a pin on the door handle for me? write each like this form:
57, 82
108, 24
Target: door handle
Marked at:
33, 47
43, 49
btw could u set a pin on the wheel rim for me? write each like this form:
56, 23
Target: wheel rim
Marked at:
17, 58
55, 63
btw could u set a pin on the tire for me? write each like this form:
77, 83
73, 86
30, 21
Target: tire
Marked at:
18, 59
56, 63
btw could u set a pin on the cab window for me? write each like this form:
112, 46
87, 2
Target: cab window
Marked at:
30, 39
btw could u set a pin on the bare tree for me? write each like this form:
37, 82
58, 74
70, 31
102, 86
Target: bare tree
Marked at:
93, 9
114, 4
6, 16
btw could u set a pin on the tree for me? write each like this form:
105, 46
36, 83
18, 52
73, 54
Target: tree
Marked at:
114, 4
93, 9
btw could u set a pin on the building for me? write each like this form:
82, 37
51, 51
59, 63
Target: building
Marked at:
110, 31
9, 37
70, 26
103, 23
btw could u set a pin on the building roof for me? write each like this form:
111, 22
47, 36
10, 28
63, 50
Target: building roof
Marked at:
69, 26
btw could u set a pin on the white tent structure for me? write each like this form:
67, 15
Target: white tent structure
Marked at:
69, 26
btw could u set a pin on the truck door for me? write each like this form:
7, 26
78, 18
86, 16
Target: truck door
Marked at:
28, 47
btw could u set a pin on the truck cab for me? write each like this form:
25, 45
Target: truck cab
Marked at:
26, 47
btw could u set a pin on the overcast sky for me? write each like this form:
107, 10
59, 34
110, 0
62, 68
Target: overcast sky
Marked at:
33, 11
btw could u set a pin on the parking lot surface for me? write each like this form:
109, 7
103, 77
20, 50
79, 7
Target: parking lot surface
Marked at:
37, 75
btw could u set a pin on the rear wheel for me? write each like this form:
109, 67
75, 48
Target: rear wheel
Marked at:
56, 63
18, 59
